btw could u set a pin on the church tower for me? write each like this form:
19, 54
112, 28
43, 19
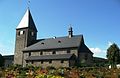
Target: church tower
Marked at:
26, 34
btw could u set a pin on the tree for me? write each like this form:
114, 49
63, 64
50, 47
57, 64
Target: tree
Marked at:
1, 61
113, 55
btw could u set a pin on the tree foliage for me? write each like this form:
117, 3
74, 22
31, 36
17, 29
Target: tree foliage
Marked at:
113, 54
1, 60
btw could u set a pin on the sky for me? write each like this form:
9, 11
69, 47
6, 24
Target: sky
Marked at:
97, 20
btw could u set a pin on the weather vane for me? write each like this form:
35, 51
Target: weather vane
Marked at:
28, 3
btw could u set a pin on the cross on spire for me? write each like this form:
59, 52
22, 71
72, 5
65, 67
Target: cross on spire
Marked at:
28, 3
70, 31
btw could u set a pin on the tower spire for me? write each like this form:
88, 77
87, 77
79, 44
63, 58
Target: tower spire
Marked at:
27, 21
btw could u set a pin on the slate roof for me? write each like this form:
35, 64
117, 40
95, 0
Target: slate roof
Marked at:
8, 57
50, 57
84, 48
56, 43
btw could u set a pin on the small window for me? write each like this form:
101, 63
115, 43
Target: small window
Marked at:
41, 62
59, 41
68, 51
32, 62
41, 53
50, 61
29, 53
32, 33
26, 61
22, 32
62, 61
42, 43
54, 52
18, 33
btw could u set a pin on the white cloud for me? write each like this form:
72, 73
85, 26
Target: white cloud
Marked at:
5, 49
101, 52
98, 52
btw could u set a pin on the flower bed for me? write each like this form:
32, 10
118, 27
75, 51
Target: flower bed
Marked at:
51, 72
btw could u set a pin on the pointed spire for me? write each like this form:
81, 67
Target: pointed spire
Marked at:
27, 21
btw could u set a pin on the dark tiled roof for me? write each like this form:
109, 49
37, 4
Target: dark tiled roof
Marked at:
84, 48
56, 43
50, 57
8, 57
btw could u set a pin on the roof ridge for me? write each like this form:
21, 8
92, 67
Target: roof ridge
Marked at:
59, 42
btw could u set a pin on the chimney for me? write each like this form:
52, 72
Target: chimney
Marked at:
70, 32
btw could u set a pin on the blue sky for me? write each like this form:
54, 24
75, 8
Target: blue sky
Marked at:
97, 20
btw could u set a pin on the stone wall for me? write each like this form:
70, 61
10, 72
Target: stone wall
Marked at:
54, 63
19, 46
85, 58
50, 52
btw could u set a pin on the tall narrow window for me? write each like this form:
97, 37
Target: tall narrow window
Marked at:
29, 53
41, 53
32, 33
62, 61
42, 62
32, 62
18, 33
26, 61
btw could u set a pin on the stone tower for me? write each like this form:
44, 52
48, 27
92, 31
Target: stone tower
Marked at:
26, 34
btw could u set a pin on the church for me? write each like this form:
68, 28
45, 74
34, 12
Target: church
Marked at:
65, 51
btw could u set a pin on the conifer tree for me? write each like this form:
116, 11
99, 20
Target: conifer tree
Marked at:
113, 55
